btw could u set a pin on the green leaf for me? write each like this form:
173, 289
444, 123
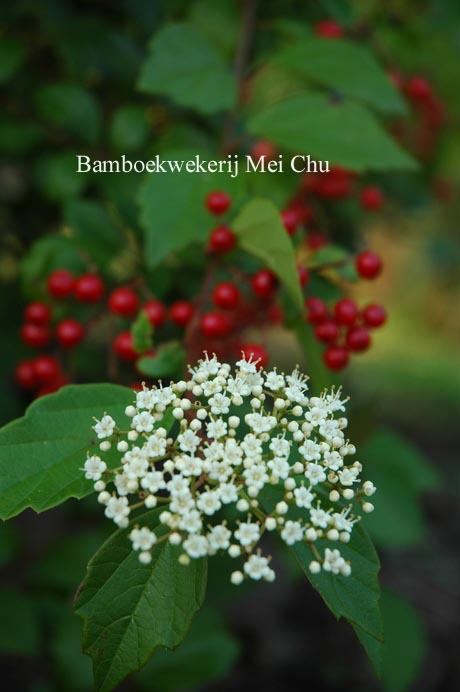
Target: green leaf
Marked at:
47, 254
12, 55
261, 233
18, 136
186, 67
405, 643
173, 214
346, 67
168, 361
56, 175
92, 230
401, 472
129, 609
129, 128
42, 454
72, 108
206, 655
142, 332
342, 133
20, 631
356, 597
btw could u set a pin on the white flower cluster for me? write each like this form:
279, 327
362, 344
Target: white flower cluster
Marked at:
283, 444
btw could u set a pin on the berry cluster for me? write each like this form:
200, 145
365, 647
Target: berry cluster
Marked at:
251, 442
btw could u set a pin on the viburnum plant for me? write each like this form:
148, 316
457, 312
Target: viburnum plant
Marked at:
132, 295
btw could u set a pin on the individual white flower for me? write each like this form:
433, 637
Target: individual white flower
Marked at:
155, 446
256, 476
247, 533
315, 473
274, 381
94, 468
341, 521
191, 522
196, 545
117, 509
303, 497
256, 567
219, 404
279, 467
292, 532
216, 428
310, 450
219, 537
142, 539
280, 447
348, 476
260, 423
228, 493
153, 481
104, 427
143, 422
188, 441
319, 517
209, 502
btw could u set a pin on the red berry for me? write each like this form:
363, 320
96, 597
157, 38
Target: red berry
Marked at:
46, 368
35, 335
89, 288
368, 265
316, 240
60, 283
156, 312
304, 274
214, 325
371, 198
226, 295
221, 240
336, 357
263, 148
374, 315
346, 311
327, 331
181, 312
337, 184
124, 347
69, 333
264, 283
25, 375
218, 202
358, 339
291, 220
316, 310
256, 353
328, 29
418, 88
38, 313
123, 301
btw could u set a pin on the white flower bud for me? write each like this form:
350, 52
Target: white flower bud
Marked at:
103, 497
345, 537
348, 494
314, 567
369, 488
185, 404
178, 413
368, 507
293, 426
279, 404
233, 421
122, 446
175, 538
105, 446
333, 535
234, 551
281, 507
197, 390
334, 496
150, 501
298, 436
255, 403
297, 411
237, 577
242, 505
98, 486
270, 523
184, 559
289, 484
165, 517
130, 411
195, 425
201, 413
298, 467
145, 558
310, 534
133, 435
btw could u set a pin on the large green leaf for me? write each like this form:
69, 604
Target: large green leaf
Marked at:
401, 472
168, 361
173, 213
186, 67
346, 67
261, 232
42, 454
342, 133
71, 107
129, 609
